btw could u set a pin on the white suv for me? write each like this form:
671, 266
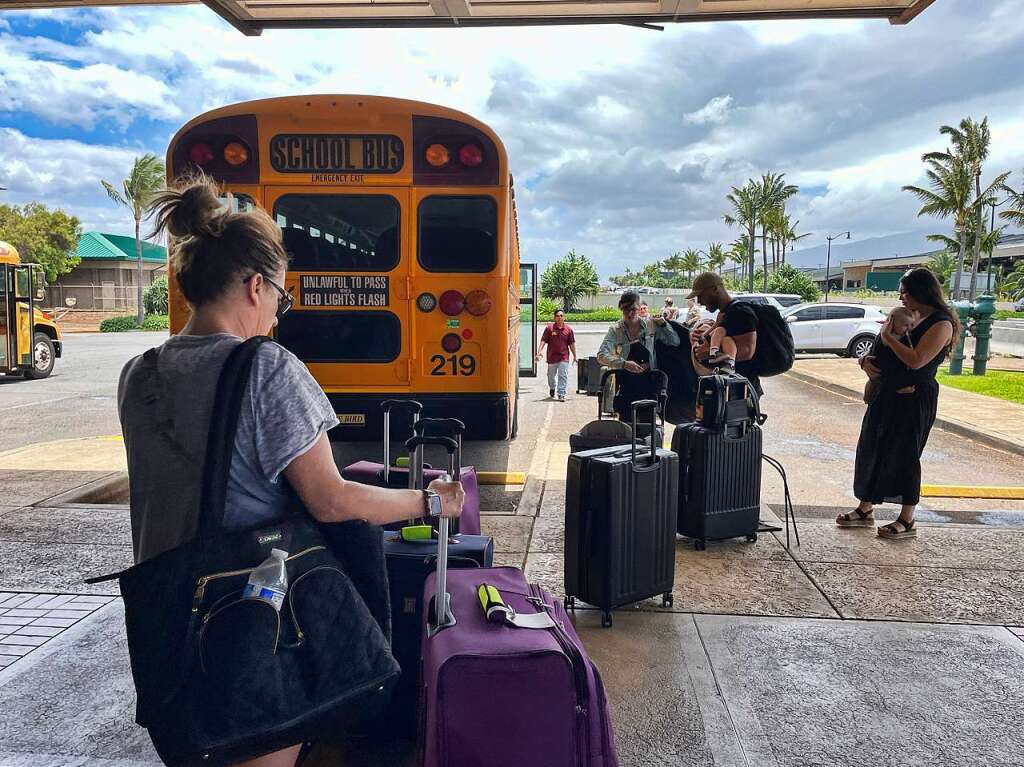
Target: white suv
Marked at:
844, 329
759, 298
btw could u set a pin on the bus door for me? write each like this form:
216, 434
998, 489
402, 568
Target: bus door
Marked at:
528, 320
349, 274
20, 310
5, 321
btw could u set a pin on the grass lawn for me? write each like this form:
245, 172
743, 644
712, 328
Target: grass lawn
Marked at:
995, 383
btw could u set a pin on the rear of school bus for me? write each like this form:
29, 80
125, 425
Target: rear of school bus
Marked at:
400, 227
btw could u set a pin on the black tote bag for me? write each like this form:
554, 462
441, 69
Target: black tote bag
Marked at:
220, 678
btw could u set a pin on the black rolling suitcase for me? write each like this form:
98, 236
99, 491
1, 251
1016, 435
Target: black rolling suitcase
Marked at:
620, 519
609, 432
588, 376
720, 459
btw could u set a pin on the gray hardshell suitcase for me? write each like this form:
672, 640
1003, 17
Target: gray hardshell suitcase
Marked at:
620, 524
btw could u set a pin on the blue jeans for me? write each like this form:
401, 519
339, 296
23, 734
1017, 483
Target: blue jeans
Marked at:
561, 371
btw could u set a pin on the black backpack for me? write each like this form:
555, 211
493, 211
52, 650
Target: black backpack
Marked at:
774, 354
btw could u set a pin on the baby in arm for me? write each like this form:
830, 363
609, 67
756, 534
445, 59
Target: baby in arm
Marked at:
901, 320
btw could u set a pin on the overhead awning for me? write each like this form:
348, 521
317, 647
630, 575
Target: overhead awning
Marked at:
253, 16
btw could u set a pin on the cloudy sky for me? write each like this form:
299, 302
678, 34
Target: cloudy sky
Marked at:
624, 142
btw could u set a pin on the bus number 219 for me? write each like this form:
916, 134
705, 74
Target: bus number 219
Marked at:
453, 365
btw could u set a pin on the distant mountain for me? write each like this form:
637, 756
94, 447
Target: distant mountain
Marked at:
890, 246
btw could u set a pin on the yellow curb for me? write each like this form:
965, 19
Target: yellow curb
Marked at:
88, 454
501, 477
970, 491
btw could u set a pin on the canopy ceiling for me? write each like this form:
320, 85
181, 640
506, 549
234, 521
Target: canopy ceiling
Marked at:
253, 16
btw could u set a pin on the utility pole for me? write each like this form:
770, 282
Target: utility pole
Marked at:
828, 260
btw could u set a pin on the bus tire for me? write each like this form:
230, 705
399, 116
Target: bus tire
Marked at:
43, 357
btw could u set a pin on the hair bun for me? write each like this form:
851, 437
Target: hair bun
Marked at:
196, 213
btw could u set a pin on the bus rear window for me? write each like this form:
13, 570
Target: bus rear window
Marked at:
341, 336
458, 234
339, 233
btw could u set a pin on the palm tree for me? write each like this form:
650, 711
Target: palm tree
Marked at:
1015, 213
772, 193
1013, 285
971, 142
691, 262
146, 178
716, 257
942, 263
744, 201
788, 234
950, 195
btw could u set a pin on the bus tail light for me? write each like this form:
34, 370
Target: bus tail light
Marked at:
437, 155
471, 155
451, 343
200, 153
452, 302
478, 303
426, 302
225, 148
236, 153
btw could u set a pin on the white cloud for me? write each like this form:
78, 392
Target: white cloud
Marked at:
65, 174
712, 113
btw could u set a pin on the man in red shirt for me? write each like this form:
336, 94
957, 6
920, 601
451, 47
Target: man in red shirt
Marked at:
560, 341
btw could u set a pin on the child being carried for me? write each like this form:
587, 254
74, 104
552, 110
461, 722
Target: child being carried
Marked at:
901, 320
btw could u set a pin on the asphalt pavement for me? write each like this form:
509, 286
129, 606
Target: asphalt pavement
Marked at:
811, 430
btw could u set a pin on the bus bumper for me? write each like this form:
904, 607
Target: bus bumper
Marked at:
486, 415
58, 348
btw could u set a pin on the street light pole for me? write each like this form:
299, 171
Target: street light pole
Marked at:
992, 228
828, 260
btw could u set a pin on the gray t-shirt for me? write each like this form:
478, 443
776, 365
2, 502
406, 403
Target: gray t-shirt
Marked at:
165, 419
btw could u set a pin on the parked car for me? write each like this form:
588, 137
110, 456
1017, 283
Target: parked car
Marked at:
1019, 305
844, 329
759, 298
787, 299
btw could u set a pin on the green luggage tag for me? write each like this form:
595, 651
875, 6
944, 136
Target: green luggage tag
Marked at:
418, 533
494, 606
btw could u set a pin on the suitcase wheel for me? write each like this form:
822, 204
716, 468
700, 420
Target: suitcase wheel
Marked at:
606, 620
752, 537
570, 603
699, 545
667, 600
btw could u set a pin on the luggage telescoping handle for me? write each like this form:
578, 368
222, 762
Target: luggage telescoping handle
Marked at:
410, 405
661, 396
639, 405
448, 427
600, 395
443, 617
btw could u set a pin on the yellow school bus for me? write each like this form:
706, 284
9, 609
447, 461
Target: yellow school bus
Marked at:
400, 224
30, 341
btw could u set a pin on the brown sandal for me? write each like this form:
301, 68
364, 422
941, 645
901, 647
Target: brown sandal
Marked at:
898, 530
856, 518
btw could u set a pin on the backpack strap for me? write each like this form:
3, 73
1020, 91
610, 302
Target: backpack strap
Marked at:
220, 444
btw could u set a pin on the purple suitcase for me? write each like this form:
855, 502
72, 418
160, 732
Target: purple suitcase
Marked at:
385, 475
497, 695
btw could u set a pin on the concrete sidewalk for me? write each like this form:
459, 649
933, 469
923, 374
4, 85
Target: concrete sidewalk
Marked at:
989, 420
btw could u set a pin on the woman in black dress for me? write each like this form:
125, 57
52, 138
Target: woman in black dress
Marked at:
897, 422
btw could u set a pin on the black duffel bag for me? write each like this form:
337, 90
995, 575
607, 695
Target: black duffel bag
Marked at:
221, 678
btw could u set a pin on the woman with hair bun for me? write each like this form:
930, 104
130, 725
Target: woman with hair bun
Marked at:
231, 270
900, 417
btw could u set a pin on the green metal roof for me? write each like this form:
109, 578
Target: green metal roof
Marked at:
93, 245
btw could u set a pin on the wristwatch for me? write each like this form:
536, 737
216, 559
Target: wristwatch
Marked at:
431, 504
